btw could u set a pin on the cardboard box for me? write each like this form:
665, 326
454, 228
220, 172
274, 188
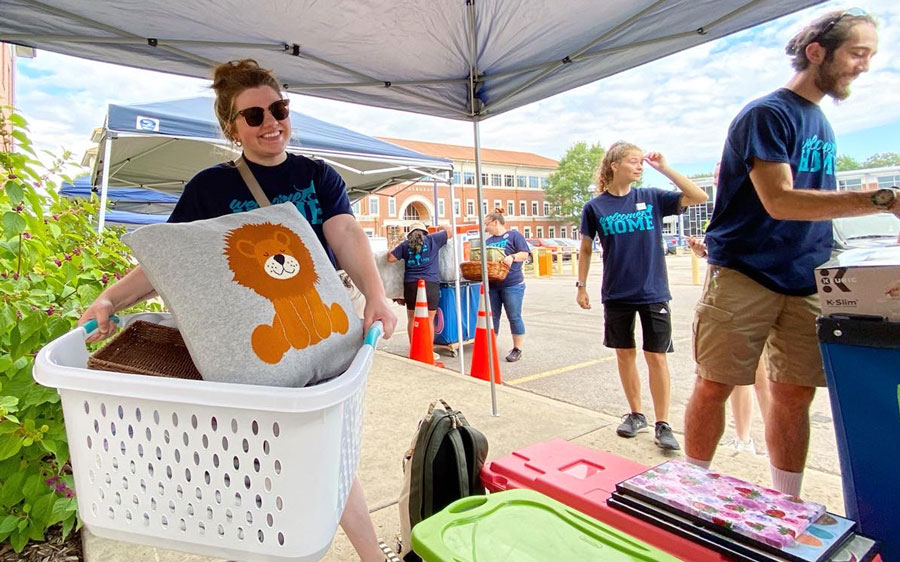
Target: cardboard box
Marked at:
863, 281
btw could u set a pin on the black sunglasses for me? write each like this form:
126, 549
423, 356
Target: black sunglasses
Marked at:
852, 12
254, 115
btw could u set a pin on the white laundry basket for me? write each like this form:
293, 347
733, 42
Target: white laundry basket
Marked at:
236, 471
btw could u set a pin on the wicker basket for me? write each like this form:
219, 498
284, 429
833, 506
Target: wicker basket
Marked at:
146, 348
494, 253
497, 270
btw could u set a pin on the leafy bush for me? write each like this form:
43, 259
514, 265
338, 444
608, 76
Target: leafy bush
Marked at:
53, 264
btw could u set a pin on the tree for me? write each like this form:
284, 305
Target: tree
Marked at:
845, 163
572, 184
881, 160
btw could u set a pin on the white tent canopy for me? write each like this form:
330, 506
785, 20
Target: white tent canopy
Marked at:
460, 59
412, 55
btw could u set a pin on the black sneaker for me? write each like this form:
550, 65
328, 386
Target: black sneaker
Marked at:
632, 424
514, 355
664, 438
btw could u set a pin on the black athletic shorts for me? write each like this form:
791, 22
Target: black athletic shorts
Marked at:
432, 291
656, 325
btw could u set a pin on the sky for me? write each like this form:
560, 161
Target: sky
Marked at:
680, 105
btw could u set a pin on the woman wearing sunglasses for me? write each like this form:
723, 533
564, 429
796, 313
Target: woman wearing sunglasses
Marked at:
253, 115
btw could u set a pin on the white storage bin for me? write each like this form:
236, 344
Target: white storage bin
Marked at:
235, 471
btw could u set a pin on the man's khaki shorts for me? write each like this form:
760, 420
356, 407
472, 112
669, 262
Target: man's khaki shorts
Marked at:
736, 317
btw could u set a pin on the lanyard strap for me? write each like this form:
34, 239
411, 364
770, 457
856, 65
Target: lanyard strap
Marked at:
251, 182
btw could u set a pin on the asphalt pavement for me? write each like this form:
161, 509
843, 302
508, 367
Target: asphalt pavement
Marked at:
564, 357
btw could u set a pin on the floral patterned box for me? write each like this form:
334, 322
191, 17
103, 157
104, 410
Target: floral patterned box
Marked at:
758, 513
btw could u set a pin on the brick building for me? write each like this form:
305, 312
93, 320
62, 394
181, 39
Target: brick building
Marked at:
511, 181
6, 74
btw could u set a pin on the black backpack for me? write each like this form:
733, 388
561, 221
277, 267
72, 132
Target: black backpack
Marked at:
442, 465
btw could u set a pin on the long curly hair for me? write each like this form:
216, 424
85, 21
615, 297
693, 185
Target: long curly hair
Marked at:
837, 26
615, 154
232, 78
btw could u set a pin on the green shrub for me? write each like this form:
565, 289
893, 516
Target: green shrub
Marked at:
53, 264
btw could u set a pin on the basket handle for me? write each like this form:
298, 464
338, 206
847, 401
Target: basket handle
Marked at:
91, 324
376, 330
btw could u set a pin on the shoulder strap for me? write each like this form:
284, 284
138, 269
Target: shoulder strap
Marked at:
251, 182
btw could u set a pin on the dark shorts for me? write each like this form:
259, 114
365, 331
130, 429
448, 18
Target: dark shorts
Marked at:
656, 326
432, 291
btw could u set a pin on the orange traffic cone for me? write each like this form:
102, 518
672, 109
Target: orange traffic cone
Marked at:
483, 335
421, 348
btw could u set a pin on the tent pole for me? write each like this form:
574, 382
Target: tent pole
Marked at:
484, 277
104, 181
457, 248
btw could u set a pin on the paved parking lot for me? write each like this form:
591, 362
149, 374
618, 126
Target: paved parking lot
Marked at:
564, 357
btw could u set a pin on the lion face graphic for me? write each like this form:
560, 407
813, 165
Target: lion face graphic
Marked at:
273, 261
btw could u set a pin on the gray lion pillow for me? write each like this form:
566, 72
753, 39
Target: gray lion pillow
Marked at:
254, 295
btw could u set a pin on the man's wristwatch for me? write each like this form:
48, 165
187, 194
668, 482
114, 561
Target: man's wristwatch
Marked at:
884, 197
580, 284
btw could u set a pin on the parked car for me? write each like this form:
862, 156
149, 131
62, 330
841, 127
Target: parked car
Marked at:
567, 247
870, 231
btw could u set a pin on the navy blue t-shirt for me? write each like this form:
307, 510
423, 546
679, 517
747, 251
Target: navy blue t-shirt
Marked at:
317, 191
778, 254
630, 230
423, 264
511, 242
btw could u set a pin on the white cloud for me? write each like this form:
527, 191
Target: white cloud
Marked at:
680, 105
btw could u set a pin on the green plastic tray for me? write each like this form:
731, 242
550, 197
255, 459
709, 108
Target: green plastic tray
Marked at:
523, 526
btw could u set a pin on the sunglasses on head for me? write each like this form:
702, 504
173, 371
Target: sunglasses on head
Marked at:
852, 12
254, 115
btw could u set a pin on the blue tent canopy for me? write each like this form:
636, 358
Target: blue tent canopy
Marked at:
162, 145
81, 187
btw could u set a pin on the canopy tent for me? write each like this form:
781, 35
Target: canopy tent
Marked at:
463, 59
162, 145
128, 199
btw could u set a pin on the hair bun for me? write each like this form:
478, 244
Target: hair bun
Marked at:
225, 72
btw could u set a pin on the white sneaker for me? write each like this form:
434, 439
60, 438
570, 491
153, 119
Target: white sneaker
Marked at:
741, 446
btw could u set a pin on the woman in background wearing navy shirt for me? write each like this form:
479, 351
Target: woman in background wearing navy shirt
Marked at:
511, 290
628, 222
419, 253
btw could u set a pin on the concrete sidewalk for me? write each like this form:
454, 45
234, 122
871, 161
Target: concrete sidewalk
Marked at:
398, 393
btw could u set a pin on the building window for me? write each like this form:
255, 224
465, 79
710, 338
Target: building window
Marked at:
498, 206
373, 205
495, 179
551, 232
532, 181
888, 181
510, 208
469, 178
851, 184
547, 210
521, 181
574, 235
516, 228
456, 207
411, 214
484, 178
509, 180
545, 182
484, 206
521, 211
470, 207
540, 232
455, 179
440, 207
355, 208
527, 234
534, 208
392, 207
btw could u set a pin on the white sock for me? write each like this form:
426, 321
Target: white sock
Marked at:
698, 462
786, 482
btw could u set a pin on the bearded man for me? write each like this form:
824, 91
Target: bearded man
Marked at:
769, 231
